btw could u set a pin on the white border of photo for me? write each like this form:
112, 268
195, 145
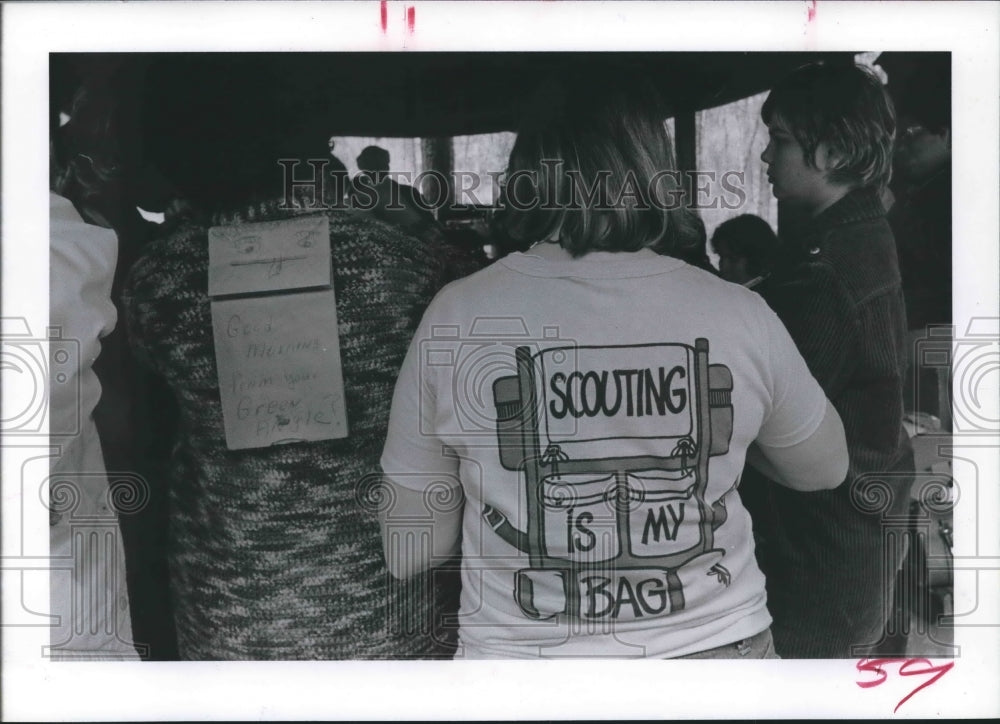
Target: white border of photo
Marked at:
36, 689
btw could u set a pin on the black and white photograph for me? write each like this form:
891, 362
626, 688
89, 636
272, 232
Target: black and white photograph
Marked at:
387, 359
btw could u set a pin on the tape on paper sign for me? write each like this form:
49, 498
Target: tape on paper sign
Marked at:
277, 354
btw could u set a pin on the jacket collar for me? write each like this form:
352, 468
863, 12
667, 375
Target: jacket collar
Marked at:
863, 204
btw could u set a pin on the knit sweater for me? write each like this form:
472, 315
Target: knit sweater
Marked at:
828, 564
275, 553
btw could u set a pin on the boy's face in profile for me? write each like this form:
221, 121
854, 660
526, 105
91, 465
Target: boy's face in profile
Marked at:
792, 179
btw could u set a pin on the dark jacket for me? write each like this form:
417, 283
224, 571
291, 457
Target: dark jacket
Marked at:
838, 292
921, 224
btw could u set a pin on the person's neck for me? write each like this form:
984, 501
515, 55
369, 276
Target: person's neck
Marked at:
833, 195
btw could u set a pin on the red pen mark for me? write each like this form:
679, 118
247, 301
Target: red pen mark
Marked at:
811, 10
384, 10
874, 666
411, 19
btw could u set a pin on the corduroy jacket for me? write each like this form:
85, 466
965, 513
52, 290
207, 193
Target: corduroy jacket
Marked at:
840, 296
828, 562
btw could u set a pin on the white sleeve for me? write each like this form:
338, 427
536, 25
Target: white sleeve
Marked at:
414, 455
798, 403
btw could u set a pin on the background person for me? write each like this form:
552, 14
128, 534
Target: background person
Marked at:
747, 246
108, 174
921, 216
388, 200
89, 591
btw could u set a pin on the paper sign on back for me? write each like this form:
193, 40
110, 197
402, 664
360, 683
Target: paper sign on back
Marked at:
269, 256
280, 377
274, 319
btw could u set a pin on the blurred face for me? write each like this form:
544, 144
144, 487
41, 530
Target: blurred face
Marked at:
791, 178
920, 153
732, 267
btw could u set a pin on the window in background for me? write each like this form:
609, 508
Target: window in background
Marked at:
731, 138
404, 154
478, 161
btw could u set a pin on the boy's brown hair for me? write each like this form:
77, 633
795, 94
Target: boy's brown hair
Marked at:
845, 107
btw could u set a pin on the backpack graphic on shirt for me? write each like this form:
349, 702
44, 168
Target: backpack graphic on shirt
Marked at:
612, 444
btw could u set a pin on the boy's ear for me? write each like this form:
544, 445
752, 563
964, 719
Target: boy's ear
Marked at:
826, 157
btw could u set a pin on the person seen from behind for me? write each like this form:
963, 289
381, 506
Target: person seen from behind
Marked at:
375, 191
574, 418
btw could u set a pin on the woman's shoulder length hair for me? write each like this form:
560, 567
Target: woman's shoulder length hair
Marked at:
593, 165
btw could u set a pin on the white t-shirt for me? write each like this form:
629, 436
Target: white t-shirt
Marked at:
88, 590
601, 515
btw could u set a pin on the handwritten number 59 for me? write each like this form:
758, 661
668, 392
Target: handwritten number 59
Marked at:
908, 668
